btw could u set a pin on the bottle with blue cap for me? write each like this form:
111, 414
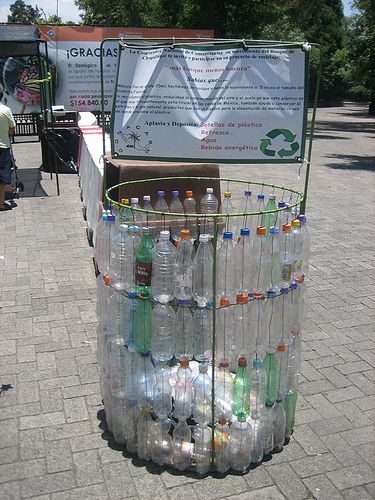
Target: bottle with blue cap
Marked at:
259, 207
226, 269
176, 223
269, 219
246, 206
243, 257
184, 331
229, 223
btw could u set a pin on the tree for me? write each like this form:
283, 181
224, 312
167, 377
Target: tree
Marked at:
22, 13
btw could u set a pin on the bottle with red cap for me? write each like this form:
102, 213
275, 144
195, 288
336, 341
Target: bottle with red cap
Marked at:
190, 207
282, 361
223, 391
183, 288
225, 335
222, 445
241, 390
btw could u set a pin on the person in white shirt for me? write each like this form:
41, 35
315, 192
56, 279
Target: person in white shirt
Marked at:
7, 127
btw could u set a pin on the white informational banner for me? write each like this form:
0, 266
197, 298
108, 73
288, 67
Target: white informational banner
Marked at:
210, 104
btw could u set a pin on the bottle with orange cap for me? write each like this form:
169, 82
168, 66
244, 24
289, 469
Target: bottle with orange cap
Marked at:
282, 361
184, 271
241, 329
203, 272
222, 445
225, 339
241, 390
261, 261
190, 207
287, 255
271, 369
223, 391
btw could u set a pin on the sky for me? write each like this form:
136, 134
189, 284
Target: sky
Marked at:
68, 11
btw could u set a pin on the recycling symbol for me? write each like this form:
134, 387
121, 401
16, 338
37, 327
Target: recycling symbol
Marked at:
289, 138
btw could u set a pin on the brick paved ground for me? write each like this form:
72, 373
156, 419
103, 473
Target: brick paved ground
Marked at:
51, 442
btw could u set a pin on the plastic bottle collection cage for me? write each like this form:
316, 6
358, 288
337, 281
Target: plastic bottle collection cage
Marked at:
199, 364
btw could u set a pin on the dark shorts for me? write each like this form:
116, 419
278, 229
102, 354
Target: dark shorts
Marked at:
5, 166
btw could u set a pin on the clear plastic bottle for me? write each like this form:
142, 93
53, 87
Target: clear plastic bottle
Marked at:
162, 221
287, 255
246, 206
282, 361
176, 223
128, 262
161, 445
118, 421
257, 425
103, 242
144, 434
162, 400
208, 205
202, 272
290, 404
182, 446
243, 257
258, 325
163, 332
305, 236
119, 266
225, 334
226, 269
297, 247
261, 261
138, 217
131, 304
184, 331
257, 389
259, 207
240, 445
241, 391
142, 324
202, 402
275, 271
229, 223
103, 291
272, 376
100, 238
117, 314
143, 262
117, 363
163, 269
241, 320
282, 214
125, 212
222, 445
148, 218
131, 417
269, 219
279, 425
190, 207
269, 426
183, 391
202, 448
202, 333
223, 391
131, 375
145, 380
183, 288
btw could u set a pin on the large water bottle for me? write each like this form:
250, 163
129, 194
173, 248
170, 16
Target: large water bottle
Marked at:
164, 269
257, 389
145, 380
162, 222
269, 219
190, 207
183, 391
229, 223
282, 361
287, 255
241, 391
143, 262
184, 331
257, 425
246, 206
176, 223
118, 263
117, 314
305, 236
163, 332
226, 269
240, 445
202, 272
128, 262
209, 205
202, 336
243, 257
162, 400
202, 448
223, 391
202, 402
184, 272
142, 323
222, 445
276, 309
162, 446
182, 446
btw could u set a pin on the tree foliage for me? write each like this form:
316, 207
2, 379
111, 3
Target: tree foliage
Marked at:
22, 13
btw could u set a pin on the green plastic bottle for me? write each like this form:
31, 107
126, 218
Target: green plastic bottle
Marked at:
241, 390
125, 212
143, 262
269, 220
272, 376
142, 323
290, 404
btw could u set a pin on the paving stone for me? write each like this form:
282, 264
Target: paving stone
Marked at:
60, 481
344, 452
313, 465
348, 477
345, 394
75, 409
357, 416
9, 433
367, 452
95, 491
10, 491
67, 430
363, 383
309, 441
185, 492
357, 366
331, 426
150, 482
288, 482
322, 488
359, 436
335, 377
269, 493
88, 469
32, 444
212, 487
8, 455
358, 492
58, 456
26, 353
43, 420
21, 470
325, 408
119, 481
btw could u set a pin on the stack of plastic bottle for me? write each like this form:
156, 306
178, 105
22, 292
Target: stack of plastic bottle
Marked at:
173, 391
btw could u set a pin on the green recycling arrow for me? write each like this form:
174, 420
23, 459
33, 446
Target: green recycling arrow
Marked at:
289, 152
289, 137
264, 143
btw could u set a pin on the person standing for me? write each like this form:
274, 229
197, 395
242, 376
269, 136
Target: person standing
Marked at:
7, 128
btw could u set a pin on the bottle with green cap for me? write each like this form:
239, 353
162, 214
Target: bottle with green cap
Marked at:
241, 390
143, 262
142, 323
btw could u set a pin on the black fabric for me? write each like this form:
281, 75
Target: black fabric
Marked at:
18, 40
5, 166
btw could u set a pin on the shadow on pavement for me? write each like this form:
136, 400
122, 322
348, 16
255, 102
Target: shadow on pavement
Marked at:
31, 178
351, 162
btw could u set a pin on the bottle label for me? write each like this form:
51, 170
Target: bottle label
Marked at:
143, 272
287, 272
